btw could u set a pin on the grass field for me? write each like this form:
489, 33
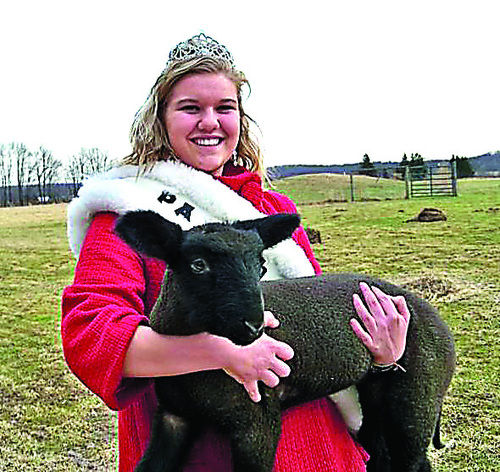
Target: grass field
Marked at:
50, 422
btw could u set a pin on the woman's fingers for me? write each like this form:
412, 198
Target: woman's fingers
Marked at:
263, 360
364, 337
270, 379
279, 348
383, 308
270, 321
400, 303
363, 313
385, 323
385, 302
252, 389
280, 368
372, 301
284, 351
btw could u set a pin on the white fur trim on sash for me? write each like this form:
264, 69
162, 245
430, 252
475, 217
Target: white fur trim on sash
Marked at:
182, 195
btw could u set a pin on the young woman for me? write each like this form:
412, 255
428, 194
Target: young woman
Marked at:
194, 161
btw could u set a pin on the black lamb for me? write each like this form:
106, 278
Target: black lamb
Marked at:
213, 284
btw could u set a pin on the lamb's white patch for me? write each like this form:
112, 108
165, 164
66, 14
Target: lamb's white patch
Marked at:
347, 402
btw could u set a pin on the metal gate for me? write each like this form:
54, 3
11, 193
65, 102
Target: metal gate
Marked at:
430, 181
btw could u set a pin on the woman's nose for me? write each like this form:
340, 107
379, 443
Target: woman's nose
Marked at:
209, 120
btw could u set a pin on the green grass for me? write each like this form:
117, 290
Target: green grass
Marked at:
454, 263
331, 188
50, 421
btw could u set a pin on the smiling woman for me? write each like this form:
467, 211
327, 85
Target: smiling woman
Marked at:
193, 162
202, 61
203, 121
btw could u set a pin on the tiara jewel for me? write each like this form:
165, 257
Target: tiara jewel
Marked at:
198, 46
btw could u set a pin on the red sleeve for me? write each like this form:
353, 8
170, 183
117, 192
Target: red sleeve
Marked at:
101, 311
279, 203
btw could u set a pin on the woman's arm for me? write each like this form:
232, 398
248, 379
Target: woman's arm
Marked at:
101, 311
154, 355
109, 346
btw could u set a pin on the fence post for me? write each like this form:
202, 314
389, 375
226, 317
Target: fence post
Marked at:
351, 178
454, 178
407, 182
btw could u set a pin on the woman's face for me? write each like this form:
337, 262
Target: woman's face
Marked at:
202, 119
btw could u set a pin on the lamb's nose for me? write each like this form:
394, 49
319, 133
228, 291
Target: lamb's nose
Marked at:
255, 328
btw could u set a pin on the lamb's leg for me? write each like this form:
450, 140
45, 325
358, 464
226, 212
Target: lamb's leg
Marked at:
371, 434
171, 438
399, 418
255, 440
408, 434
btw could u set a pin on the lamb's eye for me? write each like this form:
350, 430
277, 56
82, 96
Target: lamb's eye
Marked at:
199, 266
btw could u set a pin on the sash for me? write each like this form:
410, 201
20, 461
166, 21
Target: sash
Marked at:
182, 195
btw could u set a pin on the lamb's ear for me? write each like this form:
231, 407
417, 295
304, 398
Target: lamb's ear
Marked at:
272, 229
149, 233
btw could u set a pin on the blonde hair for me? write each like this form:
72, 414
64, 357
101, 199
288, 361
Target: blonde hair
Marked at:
148, 135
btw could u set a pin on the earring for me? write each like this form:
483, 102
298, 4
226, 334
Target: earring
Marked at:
236, 159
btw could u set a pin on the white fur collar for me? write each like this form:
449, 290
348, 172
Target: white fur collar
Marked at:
190, 198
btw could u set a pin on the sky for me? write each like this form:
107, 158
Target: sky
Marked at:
331, 80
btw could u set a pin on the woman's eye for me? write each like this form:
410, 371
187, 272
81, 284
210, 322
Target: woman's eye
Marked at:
226, 108
199, 266
190, 108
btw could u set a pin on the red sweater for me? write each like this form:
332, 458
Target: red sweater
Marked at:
114, 290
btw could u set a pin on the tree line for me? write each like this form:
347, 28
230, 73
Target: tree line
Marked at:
36, 176
416, 161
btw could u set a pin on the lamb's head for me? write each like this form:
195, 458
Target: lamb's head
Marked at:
215, 268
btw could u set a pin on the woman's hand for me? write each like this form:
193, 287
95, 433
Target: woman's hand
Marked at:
262, 360
385, 324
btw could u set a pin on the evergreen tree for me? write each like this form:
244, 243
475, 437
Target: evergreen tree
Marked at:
404, 161
401, 169
367, 167
416, 160
417, 167
464, 169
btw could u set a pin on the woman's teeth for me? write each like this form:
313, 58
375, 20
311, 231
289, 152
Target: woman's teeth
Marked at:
208, 141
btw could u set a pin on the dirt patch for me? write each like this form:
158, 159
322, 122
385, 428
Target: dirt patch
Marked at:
429, 214
323, 202
314, 235
489, 210
441, 287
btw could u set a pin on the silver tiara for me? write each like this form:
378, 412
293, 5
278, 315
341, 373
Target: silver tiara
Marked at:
198, 46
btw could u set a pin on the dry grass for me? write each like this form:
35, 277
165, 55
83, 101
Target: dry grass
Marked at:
49, 421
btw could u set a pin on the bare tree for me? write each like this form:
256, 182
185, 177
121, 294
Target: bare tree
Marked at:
96, 161
6, 179
75, 172
45, 170
23, 167
84, 164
